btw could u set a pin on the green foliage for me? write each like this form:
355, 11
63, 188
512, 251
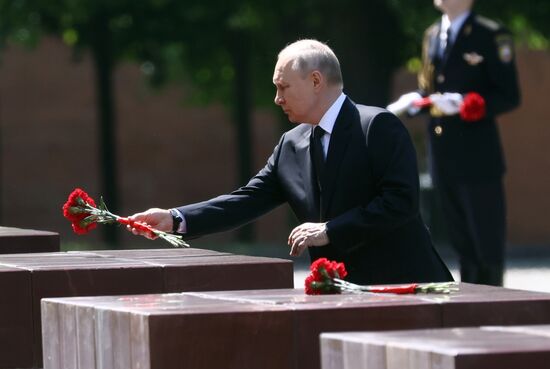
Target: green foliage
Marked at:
195, 41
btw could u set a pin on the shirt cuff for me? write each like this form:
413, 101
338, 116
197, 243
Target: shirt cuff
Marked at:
183, 225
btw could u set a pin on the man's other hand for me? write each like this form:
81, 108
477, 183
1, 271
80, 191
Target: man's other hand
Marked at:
307, 235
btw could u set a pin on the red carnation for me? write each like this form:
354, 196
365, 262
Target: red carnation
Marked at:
472, 108
310, 290
81, 210
320, 280
77, 210
83, 226
326, 277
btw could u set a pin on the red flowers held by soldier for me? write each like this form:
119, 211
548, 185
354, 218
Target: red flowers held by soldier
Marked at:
472, 108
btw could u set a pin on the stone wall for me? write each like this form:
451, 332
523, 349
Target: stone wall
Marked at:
170, 153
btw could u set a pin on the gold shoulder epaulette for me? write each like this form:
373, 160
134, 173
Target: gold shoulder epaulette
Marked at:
434, 28
487, 23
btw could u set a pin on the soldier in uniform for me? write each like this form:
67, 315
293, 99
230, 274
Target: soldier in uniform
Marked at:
465, 53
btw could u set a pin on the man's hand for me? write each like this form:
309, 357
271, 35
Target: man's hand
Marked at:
306, 235
405, 104
160, 219
448, 103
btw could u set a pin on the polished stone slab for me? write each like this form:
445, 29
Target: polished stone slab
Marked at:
121, 273
16, 327
282, 327
17, 240
477, 305
487, 347
237, 329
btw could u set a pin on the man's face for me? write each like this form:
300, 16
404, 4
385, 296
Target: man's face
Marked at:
452, 6
295, 94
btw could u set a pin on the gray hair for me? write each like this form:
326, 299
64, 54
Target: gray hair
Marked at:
309, 55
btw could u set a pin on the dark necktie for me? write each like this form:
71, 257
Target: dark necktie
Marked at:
317, 154
447, 46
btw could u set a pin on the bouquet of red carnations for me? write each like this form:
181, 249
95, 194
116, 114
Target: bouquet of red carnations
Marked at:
326, 277
470, 107
82, 211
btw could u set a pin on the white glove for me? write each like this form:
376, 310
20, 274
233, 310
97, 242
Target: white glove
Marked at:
405, 104
449, 102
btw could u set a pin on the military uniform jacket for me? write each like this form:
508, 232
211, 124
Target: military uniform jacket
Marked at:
481, 60
369, 198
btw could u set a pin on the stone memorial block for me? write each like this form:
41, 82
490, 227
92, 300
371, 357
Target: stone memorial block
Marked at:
477, 305
16, 330
136, 272
487, 347
208, 329
235, 329
17, 240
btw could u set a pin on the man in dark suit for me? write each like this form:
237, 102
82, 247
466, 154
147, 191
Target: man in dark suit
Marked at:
347, 171
464, 53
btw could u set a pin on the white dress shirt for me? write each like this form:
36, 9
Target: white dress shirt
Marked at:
328, 120
454, 27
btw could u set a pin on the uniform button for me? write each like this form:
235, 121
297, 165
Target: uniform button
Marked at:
440, 78
438, 130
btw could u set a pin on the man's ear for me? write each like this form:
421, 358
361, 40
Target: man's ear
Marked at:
317, 79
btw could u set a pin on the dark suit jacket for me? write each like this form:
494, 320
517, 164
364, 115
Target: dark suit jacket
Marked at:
369, 198
481, 60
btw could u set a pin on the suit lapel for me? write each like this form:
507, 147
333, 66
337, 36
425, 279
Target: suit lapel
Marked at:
339, 142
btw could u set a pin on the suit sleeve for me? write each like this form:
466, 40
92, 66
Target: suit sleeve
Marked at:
260, 195
503, 93
392, 159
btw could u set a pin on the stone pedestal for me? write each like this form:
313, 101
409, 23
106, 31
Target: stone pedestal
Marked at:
30, 277
16, 326
253, 329
16, 241
491, 347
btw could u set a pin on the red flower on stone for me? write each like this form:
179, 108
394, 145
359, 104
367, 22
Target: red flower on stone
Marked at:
326, 277
308, 284
320, 280
472, 108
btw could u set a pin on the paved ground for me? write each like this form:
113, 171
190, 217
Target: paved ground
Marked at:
523, 272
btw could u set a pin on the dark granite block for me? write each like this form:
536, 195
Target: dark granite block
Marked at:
238, 339
380, 317
234, 329
76, 276
134, 272
458, 348
232, 272
157, 253
16, 338
16, 240
478, 305
171, 330
166, 331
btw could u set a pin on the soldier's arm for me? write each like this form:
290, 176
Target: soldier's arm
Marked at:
503, 94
